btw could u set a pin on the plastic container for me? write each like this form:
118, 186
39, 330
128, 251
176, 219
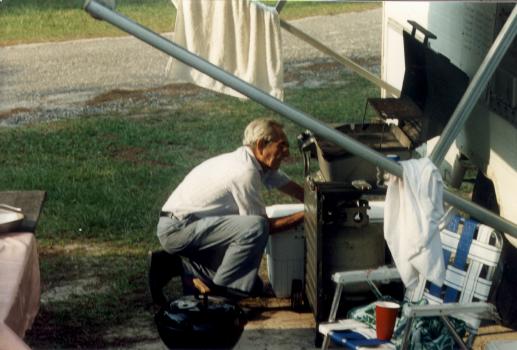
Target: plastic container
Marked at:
285, 252
385, 317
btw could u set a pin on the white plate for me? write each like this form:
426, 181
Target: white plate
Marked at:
9, 220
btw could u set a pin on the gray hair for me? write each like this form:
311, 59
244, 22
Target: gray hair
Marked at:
261, 129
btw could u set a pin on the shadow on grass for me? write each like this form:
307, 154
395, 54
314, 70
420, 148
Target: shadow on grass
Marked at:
111, 309
60, 325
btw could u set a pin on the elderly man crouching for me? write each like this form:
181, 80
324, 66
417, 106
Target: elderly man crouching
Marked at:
214, 228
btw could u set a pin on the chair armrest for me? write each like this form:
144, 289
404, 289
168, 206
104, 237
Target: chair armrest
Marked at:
483, 309
383, 274
341, 325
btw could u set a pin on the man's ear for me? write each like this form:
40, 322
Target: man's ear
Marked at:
260, 145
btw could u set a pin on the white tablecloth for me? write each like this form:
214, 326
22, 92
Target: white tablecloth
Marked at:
19, 288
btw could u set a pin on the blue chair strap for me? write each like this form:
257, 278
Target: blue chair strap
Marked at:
462, 252
352, 340
451, 226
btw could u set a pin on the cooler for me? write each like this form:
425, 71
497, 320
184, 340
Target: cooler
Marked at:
285, 252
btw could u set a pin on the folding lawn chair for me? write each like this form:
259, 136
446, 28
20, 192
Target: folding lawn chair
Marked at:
471, 252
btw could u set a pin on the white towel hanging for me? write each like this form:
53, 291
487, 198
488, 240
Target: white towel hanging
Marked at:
240, 36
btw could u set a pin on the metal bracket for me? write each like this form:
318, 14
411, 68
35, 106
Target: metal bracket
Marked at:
427, 34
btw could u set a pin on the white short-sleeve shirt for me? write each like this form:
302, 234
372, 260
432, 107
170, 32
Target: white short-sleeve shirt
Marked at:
228, 184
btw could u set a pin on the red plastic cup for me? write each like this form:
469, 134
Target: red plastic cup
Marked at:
385, 317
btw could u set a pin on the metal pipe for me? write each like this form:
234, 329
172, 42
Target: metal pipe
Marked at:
390, 89
326, 342
453, 332
280, 5
298, 117
335, 302
476, 87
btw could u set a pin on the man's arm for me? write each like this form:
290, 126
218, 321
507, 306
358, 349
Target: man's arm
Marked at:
292, 189
284, 223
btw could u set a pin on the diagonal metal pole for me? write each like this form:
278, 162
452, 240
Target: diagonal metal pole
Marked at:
390, 89
476, 87
280, 5
100, 12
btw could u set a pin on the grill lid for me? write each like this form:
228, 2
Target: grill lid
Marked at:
381, 137
431, 89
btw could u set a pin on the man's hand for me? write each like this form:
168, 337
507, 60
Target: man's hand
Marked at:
285, 223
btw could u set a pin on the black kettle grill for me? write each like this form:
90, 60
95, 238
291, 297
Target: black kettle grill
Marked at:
200, 323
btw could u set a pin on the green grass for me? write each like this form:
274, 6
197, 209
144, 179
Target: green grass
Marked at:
107, 176
103, 172
27, 21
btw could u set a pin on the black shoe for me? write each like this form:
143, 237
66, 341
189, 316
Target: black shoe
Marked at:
162, 268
